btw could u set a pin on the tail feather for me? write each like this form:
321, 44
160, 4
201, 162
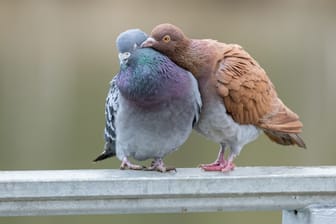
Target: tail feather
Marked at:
282, 119
285, 138
283, 125
103, 156
109, 151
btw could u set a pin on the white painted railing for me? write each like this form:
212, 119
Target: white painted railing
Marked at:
307, 195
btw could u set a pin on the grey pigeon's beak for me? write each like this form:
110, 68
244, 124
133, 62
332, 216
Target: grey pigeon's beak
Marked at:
123, 57
149, 42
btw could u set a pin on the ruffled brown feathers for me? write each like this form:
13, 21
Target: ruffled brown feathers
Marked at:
247, 92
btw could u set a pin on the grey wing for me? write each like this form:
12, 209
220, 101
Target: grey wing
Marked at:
111, 108
197, 97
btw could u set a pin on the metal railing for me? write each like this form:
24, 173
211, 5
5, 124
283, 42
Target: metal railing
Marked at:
304, 194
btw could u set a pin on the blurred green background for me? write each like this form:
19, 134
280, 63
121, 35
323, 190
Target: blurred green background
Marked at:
57, 57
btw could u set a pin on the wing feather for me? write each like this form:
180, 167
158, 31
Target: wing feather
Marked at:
111, 108
249, 95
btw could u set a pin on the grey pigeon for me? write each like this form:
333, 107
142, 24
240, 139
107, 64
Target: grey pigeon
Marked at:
151, 107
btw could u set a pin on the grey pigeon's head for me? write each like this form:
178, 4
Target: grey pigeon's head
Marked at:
128, 41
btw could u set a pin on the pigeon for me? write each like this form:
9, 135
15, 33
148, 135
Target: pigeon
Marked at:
151, 106
239, 100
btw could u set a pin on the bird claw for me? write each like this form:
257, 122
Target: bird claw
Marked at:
158, 165
215, 166
161, 169
218, 166
229, 167
127, 164
132, 167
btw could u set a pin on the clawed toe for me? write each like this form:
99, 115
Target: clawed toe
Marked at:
215, 166
221, 164
218, 167
212, 167
158, 165
127, 164
161, 169
133, 167
228, 167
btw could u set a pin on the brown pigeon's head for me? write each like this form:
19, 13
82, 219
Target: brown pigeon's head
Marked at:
167, 39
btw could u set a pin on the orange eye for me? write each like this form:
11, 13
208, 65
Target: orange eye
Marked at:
166, 38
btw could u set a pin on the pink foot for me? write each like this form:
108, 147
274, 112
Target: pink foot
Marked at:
219, 164
158, 165
127, 164
215, 166
229, 167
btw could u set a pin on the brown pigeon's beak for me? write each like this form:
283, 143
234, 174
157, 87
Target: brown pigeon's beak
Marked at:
149, 42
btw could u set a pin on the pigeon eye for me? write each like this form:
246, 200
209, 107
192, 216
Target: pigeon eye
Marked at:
166, 38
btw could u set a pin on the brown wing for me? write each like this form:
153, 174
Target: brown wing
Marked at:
250, 97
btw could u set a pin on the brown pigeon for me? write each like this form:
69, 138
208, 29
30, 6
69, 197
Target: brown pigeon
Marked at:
239, 100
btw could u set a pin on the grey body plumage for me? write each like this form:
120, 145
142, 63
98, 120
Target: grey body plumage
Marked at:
151, 107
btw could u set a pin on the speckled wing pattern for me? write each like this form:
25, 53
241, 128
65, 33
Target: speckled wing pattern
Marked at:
250, 97
111, 108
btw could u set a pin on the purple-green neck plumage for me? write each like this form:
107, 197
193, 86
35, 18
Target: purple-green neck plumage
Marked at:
151, 78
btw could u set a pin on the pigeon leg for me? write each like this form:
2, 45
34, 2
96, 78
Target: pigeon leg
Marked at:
220, 162
127, 164
158, 165
229, 166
